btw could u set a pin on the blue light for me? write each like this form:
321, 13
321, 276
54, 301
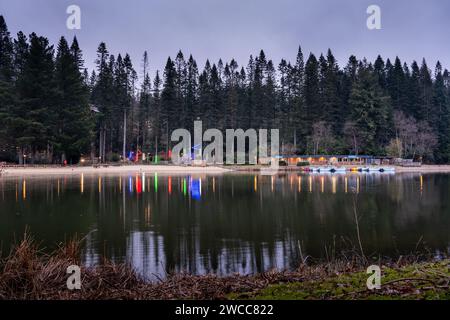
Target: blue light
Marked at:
196, 190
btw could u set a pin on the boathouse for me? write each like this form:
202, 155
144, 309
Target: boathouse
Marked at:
293, 160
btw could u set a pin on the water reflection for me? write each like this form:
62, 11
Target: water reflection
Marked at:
230, 223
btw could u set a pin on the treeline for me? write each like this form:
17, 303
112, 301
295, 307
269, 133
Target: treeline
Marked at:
52, 109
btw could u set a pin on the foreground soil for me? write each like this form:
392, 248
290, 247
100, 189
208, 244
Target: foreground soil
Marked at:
426, 280
29, 274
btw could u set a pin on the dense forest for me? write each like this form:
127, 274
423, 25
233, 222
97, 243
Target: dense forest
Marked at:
52, 109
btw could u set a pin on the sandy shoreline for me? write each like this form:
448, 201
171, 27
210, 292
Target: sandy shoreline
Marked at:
10, 172
171, 169
425, 169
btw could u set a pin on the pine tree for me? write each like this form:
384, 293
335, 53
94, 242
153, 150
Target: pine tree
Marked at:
371, 111
191, 94
312, 95
414, 101
215, 119
34, 121
297, 100
74, 125
144, 105
102, 96
7, 92
329, 88
156, 111
21, 49
426, 94
168, 117
441, 109
44, 110
180, 92
257, 91
397, 86
379, 70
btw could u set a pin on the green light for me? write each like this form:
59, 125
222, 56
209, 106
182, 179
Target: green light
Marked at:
156, 182
156, 159
184, 186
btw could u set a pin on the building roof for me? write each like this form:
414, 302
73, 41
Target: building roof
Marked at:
328, 156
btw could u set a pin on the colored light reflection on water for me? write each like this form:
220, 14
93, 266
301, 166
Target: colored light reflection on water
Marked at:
169, 187
196, 188
138, 185
222, 224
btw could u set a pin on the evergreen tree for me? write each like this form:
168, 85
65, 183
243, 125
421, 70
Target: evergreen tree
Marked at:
73, 128
397, 86
414, 101
441, 109
426, 94
379, 69
312, 95
103, 97
329, 88
181, 87
191, 94
45, 112
370, 111
21, 48
34, 119
144, 106
7, 92
156, 111
168, 116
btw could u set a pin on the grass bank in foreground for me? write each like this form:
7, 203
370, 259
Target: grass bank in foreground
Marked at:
425, 280
28, 273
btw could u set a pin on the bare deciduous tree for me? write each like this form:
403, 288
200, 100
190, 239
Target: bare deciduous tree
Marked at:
351, 136
412, 138
322, 137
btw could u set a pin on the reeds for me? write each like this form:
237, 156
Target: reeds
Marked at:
29, 273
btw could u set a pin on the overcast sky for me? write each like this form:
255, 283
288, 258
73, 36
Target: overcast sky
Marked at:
227, 29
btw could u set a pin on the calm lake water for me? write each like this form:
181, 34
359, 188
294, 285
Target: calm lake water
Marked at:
228, 223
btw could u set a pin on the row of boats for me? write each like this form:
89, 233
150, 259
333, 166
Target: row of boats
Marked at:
335, 169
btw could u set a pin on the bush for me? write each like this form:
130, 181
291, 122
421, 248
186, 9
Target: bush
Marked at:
115, 157
302, 164
282, 163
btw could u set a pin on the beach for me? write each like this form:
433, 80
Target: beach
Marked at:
172, 169
163, 169
424, 169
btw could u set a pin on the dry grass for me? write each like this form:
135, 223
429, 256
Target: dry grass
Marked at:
28, 273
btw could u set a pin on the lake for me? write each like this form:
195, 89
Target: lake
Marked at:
228, 223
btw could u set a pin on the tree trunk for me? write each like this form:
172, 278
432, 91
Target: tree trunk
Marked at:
92, 151
144, 136
20, 154
167, 141
100, 145
295, 140
124, 135
104, 145
156, 148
